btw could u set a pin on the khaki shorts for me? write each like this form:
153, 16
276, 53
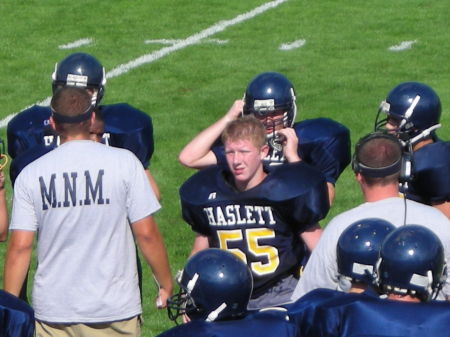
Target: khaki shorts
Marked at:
130, 327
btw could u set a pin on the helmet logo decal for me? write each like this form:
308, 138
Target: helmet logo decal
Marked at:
76, 80
264, 104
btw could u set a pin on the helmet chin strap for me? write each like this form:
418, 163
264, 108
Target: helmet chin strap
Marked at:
425, 133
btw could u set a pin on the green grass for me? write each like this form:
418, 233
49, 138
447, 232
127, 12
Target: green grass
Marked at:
343, 71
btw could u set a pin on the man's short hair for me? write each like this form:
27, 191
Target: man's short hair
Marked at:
248, 128
378, 157
71, 105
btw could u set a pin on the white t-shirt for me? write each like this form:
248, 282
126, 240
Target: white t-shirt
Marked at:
321, 270
81, 198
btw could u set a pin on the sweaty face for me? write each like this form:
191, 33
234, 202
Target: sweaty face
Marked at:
245, 163
273, 121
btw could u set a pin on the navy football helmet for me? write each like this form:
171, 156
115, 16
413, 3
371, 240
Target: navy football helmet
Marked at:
413, 108
358, 248
412, 262
214, 285
268, 94
80, 70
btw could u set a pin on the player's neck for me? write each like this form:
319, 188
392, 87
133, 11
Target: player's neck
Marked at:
257, 179
357, 288
68, 138
422, 143
403, 298
377, 192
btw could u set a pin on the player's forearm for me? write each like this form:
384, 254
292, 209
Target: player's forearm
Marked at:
3, 216
201, 242
311, 236
154, 252
16, 266
196, 153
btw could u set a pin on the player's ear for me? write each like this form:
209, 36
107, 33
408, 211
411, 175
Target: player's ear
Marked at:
359, 177
93, 117
264, 151
52, 123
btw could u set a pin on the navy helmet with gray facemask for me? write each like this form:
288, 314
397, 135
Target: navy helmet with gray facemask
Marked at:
414, 111
271, 94
214, 285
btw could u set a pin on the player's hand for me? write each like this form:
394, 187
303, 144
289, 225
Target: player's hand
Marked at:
161, 300
290, 144
235, 110
2, 180
186, 319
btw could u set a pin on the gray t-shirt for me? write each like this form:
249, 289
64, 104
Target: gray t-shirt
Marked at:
321, 269
81, 198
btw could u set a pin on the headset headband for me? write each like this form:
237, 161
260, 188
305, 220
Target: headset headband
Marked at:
376, 172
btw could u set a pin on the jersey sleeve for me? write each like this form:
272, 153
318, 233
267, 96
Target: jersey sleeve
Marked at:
302, 191
29, 128
129, 128
141, 200
431, 179
23, 215
193, 196
324, 144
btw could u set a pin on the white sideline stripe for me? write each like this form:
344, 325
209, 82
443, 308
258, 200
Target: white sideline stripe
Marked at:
402, 46
75, 44
193, 39
292, 45
168, 41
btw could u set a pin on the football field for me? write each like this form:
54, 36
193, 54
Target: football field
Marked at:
185, 62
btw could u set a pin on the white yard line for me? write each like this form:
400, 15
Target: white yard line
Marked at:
180, 44
76, 44
402, 46
168, 41
292, 45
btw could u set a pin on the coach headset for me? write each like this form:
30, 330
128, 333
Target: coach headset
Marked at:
403, 164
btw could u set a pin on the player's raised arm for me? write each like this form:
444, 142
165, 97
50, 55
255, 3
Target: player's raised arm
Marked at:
197, 153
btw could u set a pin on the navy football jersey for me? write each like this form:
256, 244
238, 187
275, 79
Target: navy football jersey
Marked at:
16, 317
322, 143
261, 225
30, 135
271, 322
364, 314
431, 174
129, 128
29, 128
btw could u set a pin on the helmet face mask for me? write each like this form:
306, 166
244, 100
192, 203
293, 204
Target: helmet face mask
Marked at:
270, 97
81, 70
214, 285
411, 110
181, 304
